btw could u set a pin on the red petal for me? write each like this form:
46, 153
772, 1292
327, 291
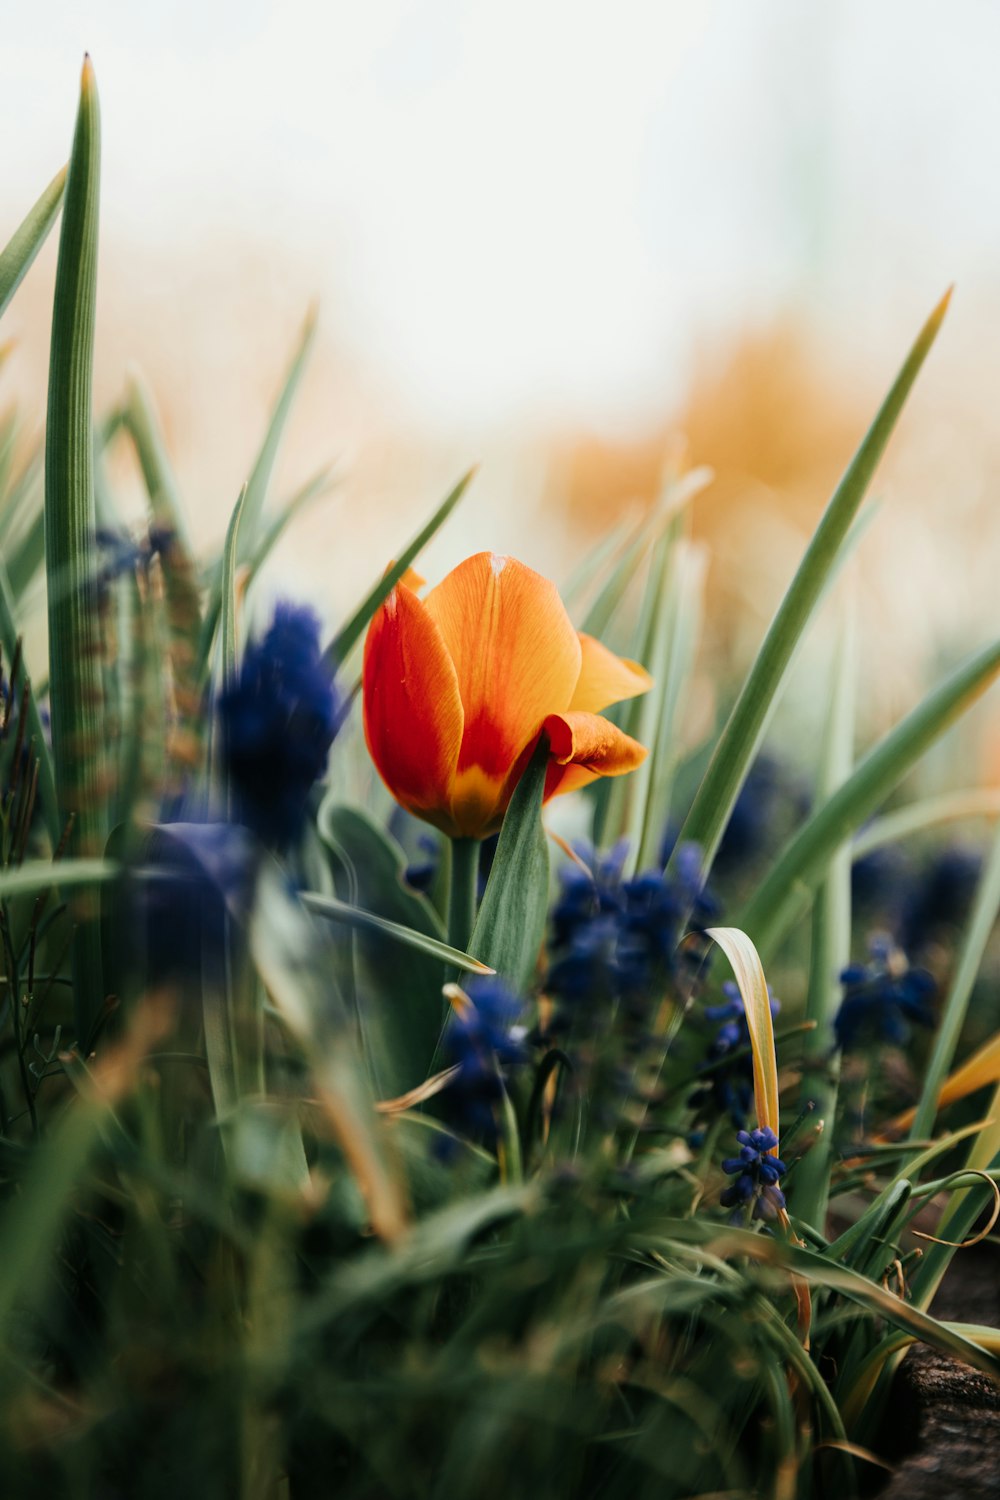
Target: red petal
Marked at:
413, 711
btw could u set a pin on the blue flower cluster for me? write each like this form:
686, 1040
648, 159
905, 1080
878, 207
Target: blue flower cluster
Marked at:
881, 998
757, 1175
480, 1041
278, 722
920, 905
615, 939
728, 1088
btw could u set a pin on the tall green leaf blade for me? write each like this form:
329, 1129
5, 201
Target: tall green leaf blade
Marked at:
742, 735
778, 899
230, 553
830, 950
78, 731
511, 922
143, 426
351, 632
368, 921
36, 730
982, 921
260, 475
28, 239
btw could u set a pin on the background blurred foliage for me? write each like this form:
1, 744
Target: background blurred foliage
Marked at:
286, 1211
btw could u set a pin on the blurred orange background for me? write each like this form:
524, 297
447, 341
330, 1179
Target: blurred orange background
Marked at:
550, 239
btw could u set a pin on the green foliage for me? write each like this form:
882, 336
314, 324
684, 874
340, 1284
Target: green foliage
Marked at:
18, 254
283, 1208
78, 729
511, 921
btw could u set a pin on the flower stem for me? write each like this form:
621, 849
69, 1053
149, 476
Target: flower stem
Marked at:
462, 894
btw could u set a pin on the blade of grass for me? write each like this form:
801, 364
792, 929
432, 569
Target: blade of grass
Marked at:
982, 921
682, 632
142, 424
917, 817
831, 945
260, 475
747, 723
351, 632
353, 916
36, 731
678, 492
779, 898
511, 922
230, 554
321, 483
78, 732
28, 239
42, 874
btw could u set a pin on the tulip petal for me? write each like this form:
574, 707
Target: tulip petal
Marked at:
516, 654
585, 746
413, 710
606, 678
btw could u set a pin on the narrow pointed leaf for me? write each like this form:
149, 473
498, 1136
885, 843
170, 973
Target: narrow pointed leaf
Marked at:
36, 730
28, 239
260, 475
354, 916
230, 553
143, 426
78, 727
917, 817
511, 922
742, 735
351, 632
779, 898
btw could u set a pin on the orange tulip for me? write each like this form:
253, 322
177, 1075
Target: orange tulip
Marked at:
458, 688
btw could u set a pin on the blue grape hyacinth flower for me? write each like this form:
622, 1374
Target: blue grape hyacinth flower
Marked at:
279, 720
881, 998
757, 1174
481, 1040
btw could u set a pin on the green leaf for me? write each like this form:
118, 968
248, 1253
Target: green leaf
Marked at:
28, 239
230, 553
979, 929
678, 492
143, 427
42, 874
596, 559
745, 728
355, 916
830, 949
351, 632
36, 731
320, 484
917, 817
260, 475
79, 731
511, 922
292, 956
401, 1006
779, 898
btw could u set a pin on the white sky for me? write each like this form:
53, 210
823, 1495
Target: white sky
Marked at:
534, 210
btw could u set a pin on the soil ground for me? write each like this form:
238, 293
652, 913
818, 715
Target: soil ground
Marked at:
943, 1418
